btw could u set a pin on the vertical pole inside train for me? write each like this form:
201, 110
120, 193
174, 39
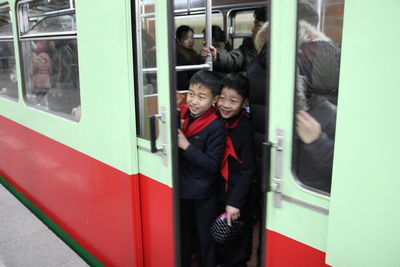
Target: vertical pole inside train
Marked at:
209, 31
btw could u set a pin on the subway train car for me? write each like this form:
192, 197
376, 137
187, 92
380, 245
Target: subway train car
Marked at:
88, 125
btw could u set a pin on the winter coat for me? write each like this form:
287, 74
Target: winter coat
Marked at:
237, 60
258, 99
41, 71
313, 162
241, 174
199, 164
319, 61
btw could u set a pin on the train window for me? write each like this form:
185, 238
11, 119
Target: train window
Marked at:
146, 65
317, 75
242, 24
197, 23
49, 55
8, 78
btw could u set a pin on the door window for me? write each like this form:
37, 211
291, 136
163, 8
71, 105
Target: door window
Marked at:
146, 66
316, 92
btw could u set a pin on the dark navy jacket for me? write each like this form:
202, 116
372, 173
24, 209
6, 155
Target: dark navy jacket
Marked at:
199, 164
241, 175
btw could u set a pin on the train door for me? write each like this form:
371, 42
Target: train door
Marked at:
156, 142
305, 41
364, 218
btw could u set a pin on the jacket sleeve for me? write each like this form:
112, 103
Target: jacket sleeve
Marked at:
232, 61
239, 194
321, 152
210, 158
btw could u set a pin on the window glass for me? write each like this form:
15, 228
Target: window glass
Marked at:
8, 78
44, 16
50, 59
316, 91
146, 65
243, 23
197, 23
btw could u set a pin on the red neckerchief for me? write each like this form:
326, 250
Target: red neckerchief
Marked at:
230, 150
199, 124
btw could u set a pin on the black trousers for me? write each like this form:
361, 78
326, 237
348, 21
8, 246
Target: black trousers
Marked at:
196, 217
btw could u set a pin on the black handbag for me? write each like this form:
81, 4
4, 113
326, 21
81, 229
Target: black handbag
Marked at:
222, 232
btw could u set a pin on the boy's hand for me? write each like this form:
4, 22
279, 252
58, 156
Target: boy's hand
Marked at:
183, 143
307, 127
232, 214
207, 51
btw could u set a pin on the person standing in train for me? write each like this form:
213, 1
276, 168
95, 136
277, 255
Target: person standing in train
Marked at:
219, 39
185, 55
314, 142
41, 69
201, 140
237, 169
311, 69
238, 60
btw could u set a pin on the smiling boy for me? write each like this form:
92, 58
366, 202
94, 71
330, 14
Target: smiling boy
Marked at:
201, 140
238, 168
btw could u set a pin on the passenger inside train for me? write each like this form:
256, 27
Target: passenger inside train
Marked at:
185, 55
238, 60
237, 171
318, 61
201, 140
315, 129
219, 39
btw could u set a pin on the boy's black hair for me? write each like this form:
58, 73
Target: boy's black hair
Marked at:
237, 82
182, 31
208, 79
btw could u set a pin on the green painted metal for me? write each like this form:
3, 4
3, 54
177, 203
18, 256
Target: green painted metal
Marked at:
159, 166
364, 219
92, 261
106, 130
297, 222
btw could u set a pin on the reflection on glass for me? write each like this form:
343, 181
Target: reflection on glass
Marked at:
196, 22
48, 16
317, 75
51, 74
243, 24
50, 62
146, 66
8, 77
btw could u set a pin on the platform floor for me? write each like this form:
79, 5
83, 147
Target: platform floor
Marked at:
26, 241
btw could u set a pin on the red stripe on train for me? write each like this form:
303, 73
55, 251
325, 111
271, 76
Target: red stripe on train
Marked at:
283, 251
157, 223
96, 204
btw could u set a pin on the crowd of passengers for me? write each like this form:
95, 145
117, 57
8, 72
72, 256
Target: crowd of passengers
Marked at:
222, 129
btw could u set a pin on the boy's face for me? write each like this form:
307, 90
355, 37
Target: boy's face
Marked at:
200, 99
230, 103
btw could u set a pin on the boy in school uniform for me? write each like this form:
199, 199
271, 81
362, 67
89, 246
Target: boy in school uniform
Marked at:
201, 140
238, 168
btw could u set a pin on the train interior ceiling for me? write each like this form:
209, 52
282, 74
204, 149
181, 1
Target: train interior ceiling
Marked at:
235, 17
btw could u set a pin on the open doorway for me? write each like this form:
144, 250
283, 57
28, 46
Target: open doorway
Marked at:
234, 26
